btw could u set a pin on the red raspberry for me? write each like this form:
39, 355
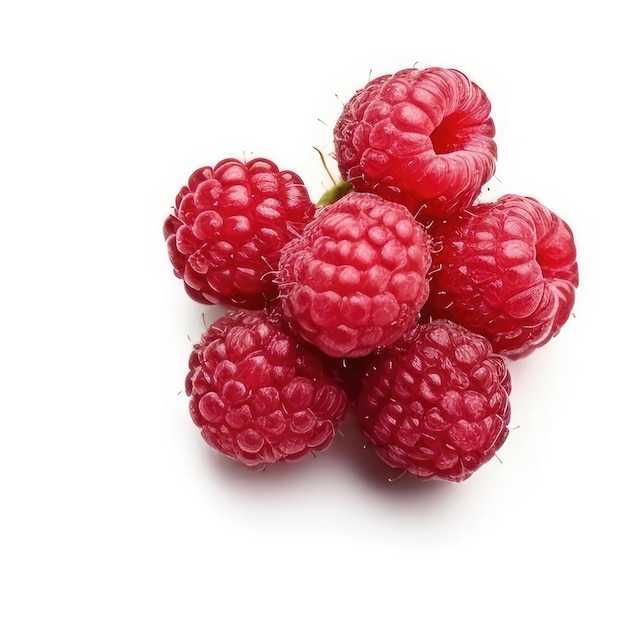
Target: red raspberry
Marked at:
436, 405
228, 227
356, 277
258, 394
423, 138
506, 270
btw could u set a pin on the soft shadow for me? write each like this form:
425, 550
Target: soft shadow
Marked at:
275, 474
349, 460
360, 458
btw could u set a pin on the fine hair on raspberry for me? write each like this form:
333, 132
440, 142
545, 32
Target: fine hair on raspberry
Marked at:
260, 395
228, 227
356, 277
507, 270
424, 138
436, 405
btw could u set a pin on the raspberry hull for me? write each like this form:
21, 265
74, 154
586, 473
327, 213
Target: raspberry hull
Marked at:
423, 138
258, 394
228, 227
436, 405
356, 277
506, 270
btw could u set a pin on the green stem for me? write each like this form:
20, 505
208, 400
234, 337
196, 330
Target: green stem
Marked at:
339, 190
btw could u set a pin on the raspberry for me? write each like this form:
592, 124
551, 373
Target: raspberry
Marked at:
356, 277
437, 404
258, 394
228, 227
423, 138
506, 270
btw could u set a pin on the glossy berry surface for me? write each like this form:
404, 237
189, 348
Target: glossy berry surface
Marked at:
437, 404
423, 138
260, 395
506, 270
227, 229
356, 277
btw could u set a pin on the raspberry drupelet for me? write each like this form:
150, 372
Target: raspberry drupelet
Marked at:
259, 394
356, 277
423, 138
436, 404
506, 270
228, 227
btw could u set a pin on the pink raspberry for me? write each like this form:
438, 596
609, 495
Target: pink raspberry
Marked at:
228, 227
356, 277
506, 270
260, 395
423, 138
437, 404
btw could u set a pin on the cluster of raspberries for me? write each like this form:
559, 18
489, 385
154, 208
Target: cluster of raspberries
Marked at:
397, 297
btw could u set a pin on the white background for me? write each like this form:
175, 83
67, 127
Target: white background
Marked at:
114, 511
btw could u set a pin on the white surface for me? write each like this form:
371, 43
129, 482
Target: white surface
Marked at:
114, 511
